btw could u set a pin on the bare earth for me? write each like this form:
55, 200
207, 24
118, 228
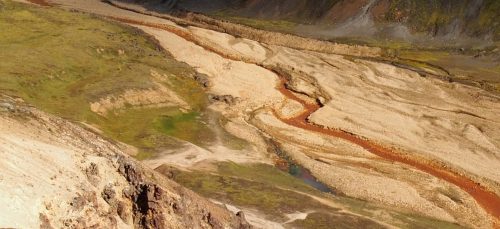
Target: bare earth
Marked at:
72, 178
454, 126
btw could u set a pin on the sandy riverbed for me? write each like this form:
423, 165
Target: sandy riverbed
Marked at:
449, 123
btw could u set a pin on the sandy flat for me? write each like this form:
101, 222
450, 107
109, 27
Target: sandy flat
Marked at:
447, 122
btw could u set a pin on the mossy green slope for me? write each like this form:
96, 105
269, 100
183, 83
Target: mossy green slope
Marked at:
276, 193
477, 17
61, 61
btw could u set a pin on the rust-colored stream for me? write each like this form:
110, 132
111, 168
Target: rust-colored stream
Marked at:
488, 200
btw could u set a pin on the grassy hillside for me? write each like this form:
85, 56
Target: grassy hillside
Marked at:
62, 61
276, 194
478, 18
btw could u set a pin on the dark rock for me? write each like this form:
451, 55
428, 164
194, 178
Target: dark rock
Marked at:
202, 79
78, 202
123, 210
147, 204
243, 221
44, 222
92, 173
207, 217
128, 192
147, 209
108, 194
129, 171
228, 99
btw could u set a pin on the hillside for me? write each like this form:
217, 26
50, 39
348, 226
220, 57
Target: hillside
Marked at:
73, 178
269, 129
64, 167
406, 20
469, 21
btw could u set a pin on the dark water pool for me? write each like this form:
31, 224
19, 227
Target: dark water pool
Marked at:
306, 176
298, 171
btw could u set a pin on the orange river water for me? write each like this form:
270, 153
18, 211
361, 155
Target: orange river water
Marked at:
488, 200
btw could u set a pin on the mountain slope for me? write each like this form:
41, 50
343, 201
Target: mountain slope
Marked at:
73, 178
443, 18
403, 20
265, 94
116, 83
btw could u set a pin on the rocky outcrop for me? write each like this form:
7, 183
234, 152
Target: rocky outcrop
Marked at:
160, 94
57, 175
228, 99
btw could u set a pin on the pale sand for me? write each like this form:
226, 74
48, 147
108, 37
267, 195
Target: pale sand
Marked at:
52, 170
423, 116
253, 85
229, 44
257, 219
190, 155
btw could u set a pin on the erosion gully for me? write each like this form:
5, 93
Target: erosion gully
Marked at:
488, 200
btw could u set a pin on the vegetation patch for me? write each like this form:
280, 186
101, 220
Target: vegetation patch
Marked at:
186, 126
411, 221
284, 26
276, 193
267, 174
245, 186
465, 68
322, 220
62, 61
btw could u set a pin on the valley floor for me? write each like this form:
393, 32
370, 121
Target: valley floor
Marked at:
396, 148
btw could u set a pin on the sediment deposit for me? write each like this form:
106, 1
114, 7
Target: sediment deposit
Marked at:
369, 130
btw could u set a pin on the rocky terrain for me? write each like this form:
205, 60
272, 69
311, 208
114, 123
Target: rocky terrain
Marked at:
456, 39
371, 143
56, 174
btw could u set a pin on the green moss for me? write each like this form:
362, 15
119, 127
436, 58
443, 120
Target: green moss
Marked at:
62, 61
273, 201
463, 67
275, 193
143, 155
135, 127
186, 126
426, 56
217, 122
258, 23
324, 220
424, 16
488, 19
412, 221
265, 173
398, 219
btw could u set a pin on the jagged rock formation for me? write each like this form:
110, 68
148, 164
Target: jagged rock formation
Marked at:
72, 178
